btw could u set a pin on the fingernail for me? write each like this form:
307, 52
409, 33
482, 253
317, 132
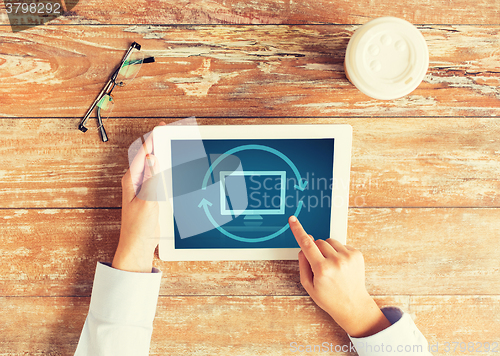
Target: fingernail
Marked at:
150, 160
293, 218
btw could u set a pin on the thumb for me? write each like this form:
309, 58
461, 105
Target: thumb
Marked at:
149, 184
128, 188
150, 167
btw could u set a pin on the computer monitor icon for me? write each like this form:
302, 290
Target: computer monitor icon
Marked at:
263, 193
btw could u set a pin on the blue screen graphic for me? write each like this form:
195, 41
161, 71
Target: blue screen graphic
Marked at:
240, 193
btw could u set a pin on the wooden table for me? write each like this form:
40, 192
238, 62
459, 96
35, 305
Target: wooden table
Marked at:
425, 186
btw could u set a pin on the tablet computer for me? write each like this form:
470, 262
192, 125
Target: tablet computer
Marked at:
231, 189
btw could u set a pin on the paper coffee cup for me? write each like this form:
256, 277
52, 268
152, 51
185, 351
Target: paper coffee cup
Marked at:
386, 58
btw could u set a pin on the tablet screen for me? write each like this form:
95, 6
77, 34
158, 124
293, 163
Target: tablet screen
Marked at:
239, 193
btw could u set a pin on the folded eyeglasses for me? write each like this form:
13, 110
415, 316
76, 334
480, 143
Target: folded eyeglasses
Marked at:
126, 72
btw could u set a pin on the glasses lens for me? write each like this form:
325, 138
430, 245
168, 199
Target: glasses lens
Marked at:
104, 109
130, 67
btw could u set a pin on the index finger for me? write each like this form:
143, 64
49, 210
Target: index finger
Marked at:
306, 243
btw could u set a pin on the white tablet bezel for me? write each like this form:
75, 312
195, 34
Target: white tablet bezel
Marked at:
162, 137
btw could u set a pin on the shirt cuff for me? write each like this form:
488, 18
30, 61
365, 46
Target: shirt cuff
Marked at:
124, 297
401, 338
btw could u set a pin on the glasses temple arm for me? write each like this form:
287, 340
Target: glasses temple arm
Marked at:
102, 131
82, 127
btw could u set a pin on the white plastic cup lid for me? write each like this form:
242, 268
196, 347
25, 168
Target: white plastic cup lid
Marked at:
386, 58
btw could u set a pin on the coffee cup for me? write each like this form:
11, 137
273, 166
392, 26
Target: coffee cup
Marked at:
386, 58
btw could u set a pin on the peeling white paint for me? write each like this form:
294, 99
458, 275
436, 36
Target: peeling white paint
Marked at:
464, 82
49, 211
204, 80
268, 67
408, 180
399, 104
17, 213
35, 70
21, 251
27, 229
95, 44
322, 105
324, 67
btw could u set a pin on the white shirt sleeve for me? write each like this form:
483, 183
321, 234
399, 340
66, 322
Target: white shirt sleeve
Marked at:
121, 313
401, 338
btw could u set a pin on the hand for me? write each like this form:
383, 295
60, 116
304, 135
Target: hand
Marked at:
334, 276
139, 234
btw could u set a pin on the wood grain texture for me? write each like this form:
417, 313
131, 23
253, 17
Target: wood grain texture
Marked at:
424, 190
396, 162
237, 71
91, 12
244, 326
54, 252
465, 319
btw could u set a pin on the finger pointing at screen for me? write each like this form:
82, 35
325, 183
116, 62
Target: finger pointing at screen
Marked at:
334, 277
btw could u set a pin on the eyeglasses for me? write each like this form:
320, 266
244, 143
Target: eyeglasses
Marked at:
126, 72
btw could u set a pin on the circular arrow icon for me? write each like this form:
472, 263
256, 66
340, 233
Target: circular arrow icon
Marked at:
205, 203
